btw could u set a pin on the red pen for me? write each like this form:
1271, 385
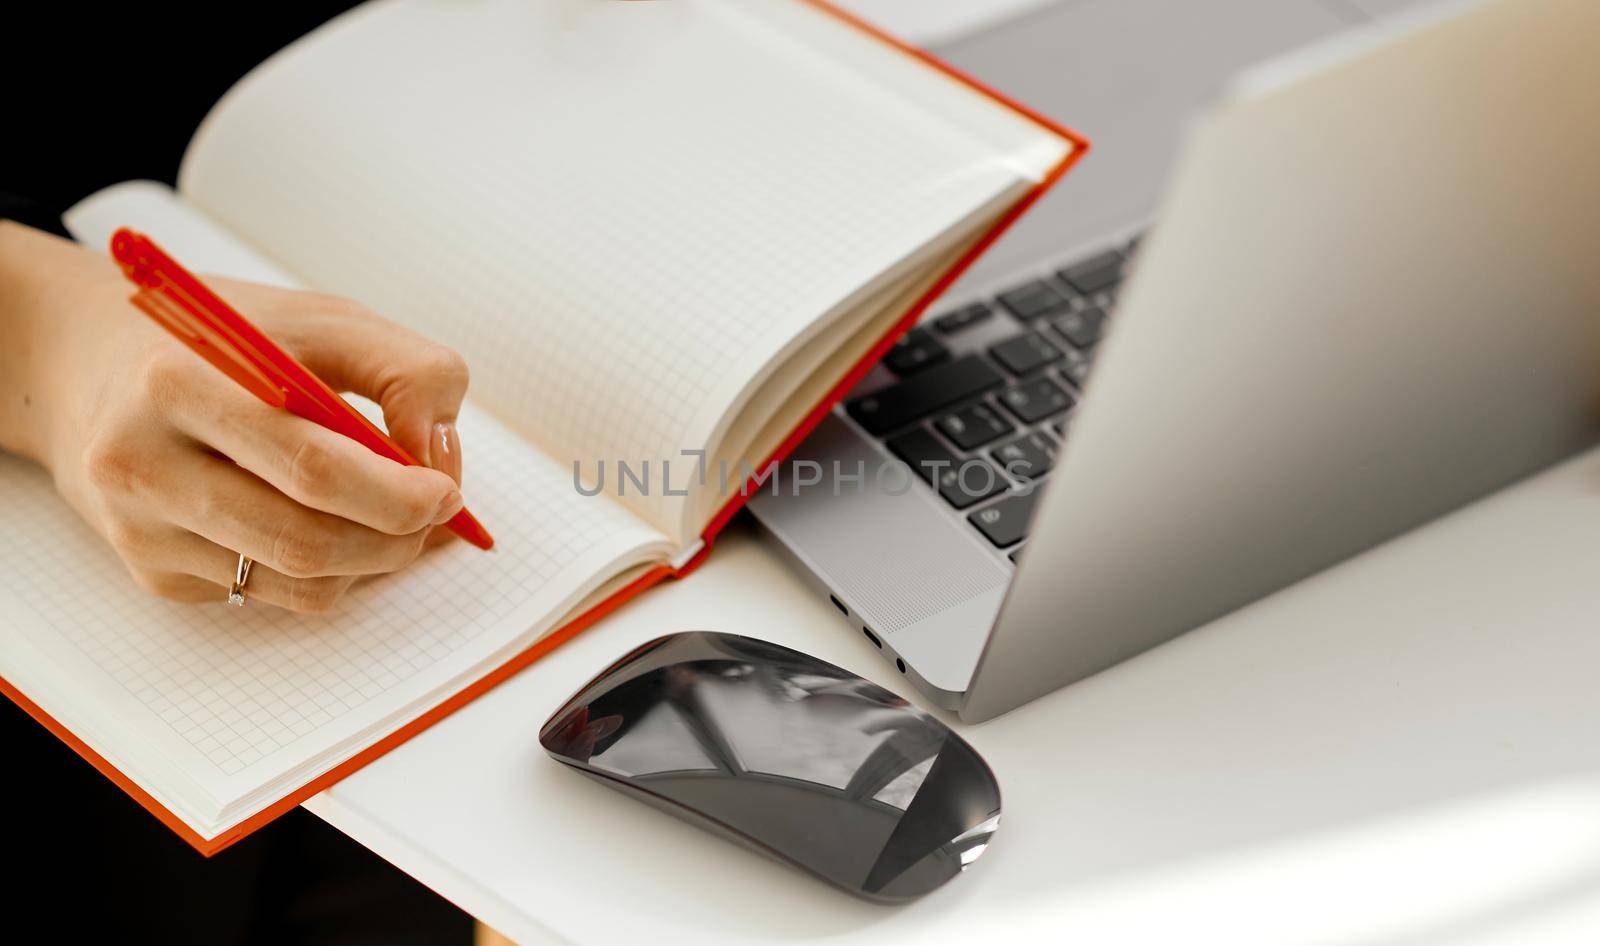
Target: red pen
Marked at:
181, 303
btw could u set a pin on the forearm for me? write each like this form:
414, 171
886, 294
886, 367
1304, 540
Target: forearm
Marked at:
26, 343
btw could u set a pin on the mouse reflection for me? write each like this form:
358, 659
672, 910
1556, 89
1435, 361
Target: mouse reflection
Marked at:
789, 754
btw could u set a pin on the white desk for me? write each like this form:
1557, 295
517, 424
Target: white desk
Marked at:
1400, 751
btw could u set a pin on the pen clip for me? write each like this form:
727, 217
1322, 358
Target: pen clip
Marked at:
163, 296
208, 344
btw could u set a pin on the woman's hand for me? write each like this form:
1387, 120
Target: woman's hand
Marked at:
181, 470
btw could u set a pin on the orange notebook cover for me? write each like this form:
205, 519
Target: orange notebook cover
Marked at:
1079, 147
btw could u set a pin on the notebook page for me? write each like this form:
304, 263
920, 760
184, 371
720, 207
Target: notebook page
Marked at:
208, 706
240, 698
158, 210
622, 214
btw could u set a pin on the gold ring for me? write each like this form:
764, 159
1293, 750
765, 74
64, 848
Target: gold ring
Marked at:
241, 574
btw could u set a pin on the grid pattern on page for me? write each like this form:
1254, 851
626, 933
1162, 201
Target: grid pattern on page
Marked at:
635, 210
240, 684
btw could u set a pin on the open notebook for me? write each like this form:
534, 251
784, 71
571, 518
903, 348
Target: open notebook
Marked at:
655, 230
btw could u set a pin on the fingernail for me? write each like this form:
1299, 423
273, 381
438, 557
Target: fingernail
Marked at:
449, 507
445, 452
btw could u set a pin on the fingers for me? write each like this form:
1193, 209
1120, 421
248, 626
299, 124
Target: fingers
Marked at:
177, 586
418, 382
314, 466
237, 511
198, 571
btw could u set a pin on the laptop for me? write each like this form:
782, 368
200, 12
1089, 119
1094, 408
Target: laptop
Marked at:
1367, 293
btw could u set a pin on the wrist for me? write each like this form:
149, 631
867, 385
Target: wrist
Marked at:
30, 275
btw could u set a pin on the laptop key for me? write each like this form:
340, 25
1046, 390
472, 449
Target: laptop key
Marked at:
1006, 522
1075, 368
923, 393
970, 482
1027, 352
1083, 327
916, 351
961, 319
1034, 299
974, 425
1027, 457
1095, 274
923, 452
1034, 400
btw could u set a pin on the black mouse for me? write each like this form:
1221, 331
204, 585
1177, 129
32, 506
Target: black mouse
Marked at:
786, 754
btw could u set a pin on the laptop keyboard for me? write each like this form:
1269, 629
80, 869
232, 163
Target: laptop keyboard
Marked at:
962, 406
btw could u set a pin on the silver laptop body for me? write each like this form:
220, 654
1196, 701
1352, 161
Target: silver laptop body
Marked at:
1372, 296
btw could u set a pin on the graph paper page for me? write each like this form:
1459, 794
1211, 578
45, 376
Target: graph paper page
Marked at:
622, 214
237, 698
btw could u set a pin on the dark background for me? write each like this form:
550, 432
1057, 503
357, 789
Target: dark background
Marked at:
101, 93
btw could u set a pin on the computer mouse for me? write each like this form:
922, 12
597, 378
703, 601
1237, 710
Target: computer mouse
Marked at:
788, 755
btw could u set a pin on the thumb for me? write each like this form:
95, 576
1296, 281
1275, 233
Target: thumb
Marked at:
419, 383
